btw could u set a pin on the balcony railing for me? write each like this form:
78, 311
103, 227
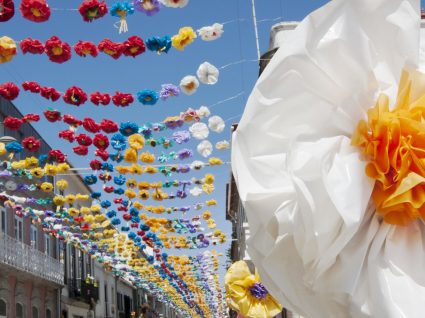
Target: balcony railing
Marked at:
30, 260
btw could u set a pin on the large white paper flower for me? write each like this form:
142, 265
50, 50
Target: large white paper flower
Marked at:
199, 131
195, 191
216, 124
205, 148
203, 112
197, 165
208, 73
189, 84
316, 239
222, 145
211, 32
174, 3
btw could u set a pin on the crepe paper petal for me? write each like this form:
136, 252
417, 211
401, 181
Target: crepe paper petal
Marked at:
205, 148
121, 10
92, 10
149, 7
199, 131
136, 141
134, 46
68, 135
196, 191
57, 51
50, 93
159, 44
185, 37
13, 123
108, 126
203, 112
29, 45
7, 49
98, 98
101, 141
147, 97
216, 124
33, 87
122, 99
222, 145
31, 144
189, 84
85, 48
84, 140
181, 136
14, 147
175, 3
129, 128
35, 10
211, 33
75, 96
9, 91
7, 10
113, 49
207, 73
90, 125
168, 90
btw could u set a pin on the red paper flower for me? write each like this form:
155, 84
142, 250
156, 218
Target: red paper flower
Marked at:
92, 9
90, 125
56, 156
95, 164
75, 96
9, 91
104, 155
122, 208
29, 45
35, 10
72, 121
134, 225
134, 46
84, 140
68, 135
81, 150
31, 117
52, 115
56, 50
109, 189
127, 217
108, 126
101, 141
84, 48
31, 144
122, 99
12, 123
100, 99
105, 177
7, 10
50, 93
113, 49
33, 87
118, 200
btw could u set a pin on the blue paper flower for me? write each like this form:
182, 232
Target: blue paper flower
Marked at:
111, 214
120, 9
42, 159
96, 195
14, 147
148, 97
135, 219
128, 129
119, 191
132, 235
117, 157
125, 228
107, 167
90, 180
118, 141
116, 221
105, 204
159, 44
133, 212
119, 180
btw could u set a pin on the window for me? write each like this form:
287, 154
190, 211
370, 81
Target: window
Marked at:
106, 300
34, 312
34, 236
3, 311
48, 313
47, 245
19, 229
3, 219
19, 310
120, 304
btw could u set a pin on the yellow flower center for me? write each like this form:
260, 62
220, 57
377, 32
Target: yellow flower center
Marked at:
92, 13
134, 49
190, 86
35, 12
109, 52
57, 50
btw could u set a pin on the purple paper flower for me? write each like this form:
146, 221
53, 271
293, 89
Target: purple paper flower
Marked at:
181, 136
185, 153
168, 90
174, 123
181, 194
258, 290
183, 168
150, 7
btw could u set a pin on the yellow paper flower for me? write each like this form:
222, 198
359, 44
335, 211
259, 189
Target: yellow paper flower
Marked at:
3, 150
211, 202
206, 215
137, 205
100, 218
247, 295
63, 167
73, 212
82, 197
18, 164
62, 184
7, 49
215, 161
136, 141
122, 169
185, 36
70, 198
50, 170
209, 178
159, 195
130, 155
208, 188
143, 185
156, 185
46, 187
95, 208
144, 195
150, 170
59, 200
131, 183
37, 172
136, 169
85, 210
130, 194
89, 218
147, 157
31, 162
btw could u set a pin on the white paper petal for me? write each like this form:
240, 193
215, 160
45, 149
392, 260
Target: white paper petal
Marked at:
196, 191
216, 124
222, 145
174, 3
205, 148
189, 84
199, 131
203, 112
211, 33
208, 73
318, 244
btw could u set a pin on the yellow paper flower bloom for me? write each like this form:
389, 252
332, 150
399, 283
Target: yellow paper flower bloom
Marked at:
37, 172
247, 295
100, 218
62, 184
7, 49
130, 194
159, 195
206, 215
143, 185
73, 212
147, 157
70, 198
46, 187
18, 164
95, 208
31, 162
63, 167
131, 183
89, 218
209, 178
208, 188
150, 170
122, 169
130, 155
215, 161
211, 202
85, 210
144, 195
3, 150
185, 36
82, 197
50, 170
136, 169
59, 200
136, 141
137, 205
156, 185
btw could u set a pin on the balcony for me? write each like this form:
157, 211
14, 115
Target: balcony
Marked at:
83, 291
25, 258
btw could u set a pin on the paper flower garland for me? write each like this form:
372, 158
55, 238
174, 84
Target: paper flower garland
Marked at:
84, 48
189, 84
92, 10
121, 10
175, 3
207, 73
9, 91
7, 10
211, 33
29, 45
150, 7
35, 10
7, 49
57, 51
185, 37
134, 46
159, 44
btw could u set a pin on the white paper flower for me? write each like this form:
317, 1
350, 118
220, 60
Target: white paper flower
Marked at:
197, 165
174, 3
222, 145
203, 112
211, 32
205, 148
216, 124
208, 73
196, 191
189, 84
198, 206
199, 131
319, 245
10, 185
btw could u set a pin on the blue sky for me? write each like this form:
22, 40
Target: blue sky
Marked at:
150, 70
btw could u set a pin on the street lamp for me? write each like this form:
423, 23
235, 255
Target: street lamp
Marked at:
7, 139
